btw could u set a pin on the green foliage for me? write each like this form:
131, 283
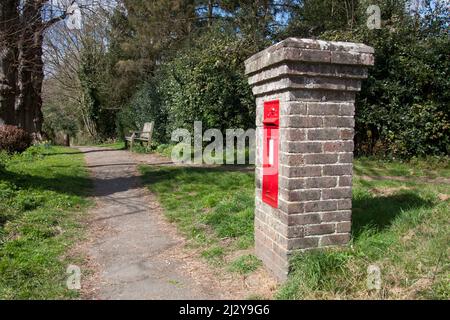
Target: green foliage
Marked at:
212, 207
403, 107
59, 119
425, 130
311, 18
145, 106
4, 158
178, 62
165, 150
97, 116
205, 82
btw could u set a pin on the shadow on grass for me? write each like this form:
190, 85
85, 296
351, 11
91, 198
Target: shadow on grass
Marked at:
378, 213
98, 149
3, 220
65, 184
206, 175
72, 185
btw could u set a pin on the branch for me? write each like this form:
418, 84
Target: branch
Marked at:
54, 20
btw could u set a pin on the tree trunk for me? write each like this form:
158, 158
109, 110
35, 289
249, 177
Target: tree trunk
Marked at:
210, 12
8, 59
38, 81
21, 63
31, 72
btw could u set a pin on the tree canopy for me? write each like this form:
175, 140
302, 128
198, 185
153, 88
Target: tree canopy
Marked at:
176, 61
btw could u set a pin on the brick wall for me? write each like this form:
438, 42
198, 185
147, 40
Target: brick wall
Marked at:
316, 83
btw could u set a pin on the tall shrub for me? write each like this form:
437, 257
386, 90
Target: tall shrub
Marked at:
144, 106
403, 109
206, 82
13, 139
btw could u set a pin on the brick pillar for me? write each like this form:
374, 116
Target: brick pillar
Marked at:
315, 82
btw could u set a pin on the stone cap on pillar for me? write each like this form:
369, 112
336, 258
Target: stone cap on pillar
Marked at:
309, 65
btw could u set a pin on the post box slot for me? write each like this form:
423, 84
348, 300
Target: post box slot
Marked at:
271, 121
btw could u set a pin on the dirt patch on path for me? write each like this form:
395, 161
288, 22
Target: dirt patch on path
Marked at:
135, 253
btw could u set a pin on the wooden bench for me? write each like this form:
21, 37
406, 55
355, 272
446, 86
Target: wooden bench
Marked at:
143, 136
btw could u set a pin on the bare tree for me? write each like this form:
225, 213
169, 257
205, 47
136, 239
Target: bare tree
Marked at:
37, 17
23, 25
63, 54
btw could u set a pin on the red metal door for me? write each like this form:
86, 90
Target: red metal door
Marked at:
270, 152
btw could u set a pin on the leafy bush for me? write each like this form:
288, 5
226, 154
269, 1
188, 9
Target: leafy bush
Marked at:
14, 139
145, 106
60, 118
425, 130
165, 149
206, 82
403, 108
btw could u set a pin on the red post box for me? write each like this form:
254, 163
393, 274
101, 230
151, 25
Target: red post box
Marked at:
271, 123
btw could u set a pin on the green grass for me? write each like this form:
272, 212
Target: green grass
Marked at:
213, 207
120, 145
165, 150
43, 194
117, 145
400, 226
245, 264
431, 167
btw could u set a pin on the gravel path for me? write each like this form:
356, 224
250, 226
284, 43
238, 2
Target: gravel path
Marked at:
130, 246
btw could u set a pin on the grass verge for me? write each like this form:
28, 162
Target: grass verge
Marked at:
120, 145
400, 226
117, 145
431, 167
211, 206
43, 194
